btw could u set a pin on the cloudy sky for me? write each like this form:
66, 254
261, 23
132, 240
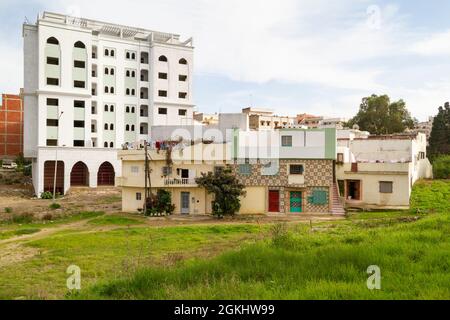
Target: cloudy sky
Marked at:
295, 56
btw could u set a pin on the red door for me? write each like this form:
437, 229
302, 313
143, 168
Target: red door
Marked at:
274, 201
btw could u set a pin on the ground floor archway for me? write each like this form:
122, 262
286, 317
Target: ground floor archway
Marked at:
49, 176
79, 176
106, 175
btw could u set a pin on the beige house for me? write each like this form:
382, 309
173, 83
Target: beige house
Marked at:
380, 171
178, 177
295, 176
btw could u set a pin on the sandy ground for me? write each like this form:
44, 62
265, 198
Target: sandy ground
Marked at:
21, 200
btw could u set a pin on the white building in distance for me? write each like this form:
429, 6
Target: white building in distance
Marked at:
91, 86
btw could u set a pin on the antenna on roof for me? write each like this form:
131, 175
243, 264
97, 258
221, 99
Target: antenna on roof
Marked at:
26, 20
251, 100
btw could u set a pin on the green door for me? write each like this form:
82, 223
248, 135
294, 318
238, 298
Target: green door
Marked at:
296, 201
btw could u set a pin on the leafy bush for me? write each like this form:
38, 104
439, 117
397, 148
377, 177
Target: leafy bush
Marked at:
22, 218
441, 167
54, 206
27, 171
46, 195
161, 204
8, 210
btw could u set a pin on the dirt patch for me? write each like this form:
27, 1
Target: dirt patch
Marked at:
19, 200
14, 253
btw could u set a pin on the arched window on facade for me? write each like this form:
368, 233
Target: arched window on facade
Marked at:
52, 40
80, 45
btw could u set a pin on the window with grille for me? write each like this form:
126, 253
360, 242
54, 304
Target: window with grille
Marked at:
386, 186
245, 169
296, 169
286, 141
318, 197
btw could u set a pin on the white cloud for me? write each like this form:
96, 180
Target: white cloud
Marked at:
434, 44
329, 44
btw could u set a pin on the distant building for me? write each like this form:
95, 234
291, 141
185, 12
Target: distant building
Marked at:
308, 120
206, 119
11, 126
425, 128
337, 123
264, 119
379, 171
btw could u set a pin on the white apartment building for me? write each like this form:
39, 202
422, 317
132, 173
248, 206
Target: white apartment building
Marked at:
91, 86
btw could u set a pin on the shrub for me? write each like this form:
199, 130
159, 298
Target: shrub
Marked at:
46, 195
22, 218
279, 234
47, 217
441, 167
54, 206
8, 210
27, 171
161, 204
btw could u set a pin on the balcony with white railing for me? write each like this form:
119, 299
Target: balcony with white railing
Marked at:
180, 182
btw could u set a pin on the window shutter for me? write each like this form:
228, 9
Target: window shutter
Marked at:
318, 197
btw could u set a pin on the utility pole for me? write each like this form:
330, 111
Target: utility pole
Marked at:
145, 169
56, 157
148, 183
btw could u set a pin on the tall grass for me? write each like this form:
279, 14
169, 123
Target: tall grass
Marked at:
303, 264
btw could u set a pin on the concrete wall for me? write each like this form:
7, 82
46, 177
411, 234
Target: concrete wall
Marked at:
255, 201
11, 126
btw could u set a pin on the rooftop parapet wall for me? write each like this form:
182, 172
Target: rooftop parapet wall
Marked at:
250, 145
114, 30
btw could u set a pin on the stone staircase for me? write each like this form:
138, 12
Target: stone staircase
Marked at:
337, 207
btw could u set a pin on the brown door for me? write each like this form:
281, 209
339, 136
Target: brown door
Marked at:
274, 201
49, 176
105, 175
79, 176
354, 189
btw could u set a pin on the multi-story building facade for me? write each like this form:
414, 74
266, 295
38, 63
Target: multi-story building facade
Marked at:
294, 173
11, 126
91, 87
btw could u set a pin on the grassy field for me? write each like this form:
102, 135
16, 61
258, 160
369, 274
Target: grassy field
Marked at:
125, 257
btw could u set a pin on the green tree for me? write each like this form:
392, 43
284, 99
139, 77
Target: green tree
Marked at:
378, 115
440, 133
226, 189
